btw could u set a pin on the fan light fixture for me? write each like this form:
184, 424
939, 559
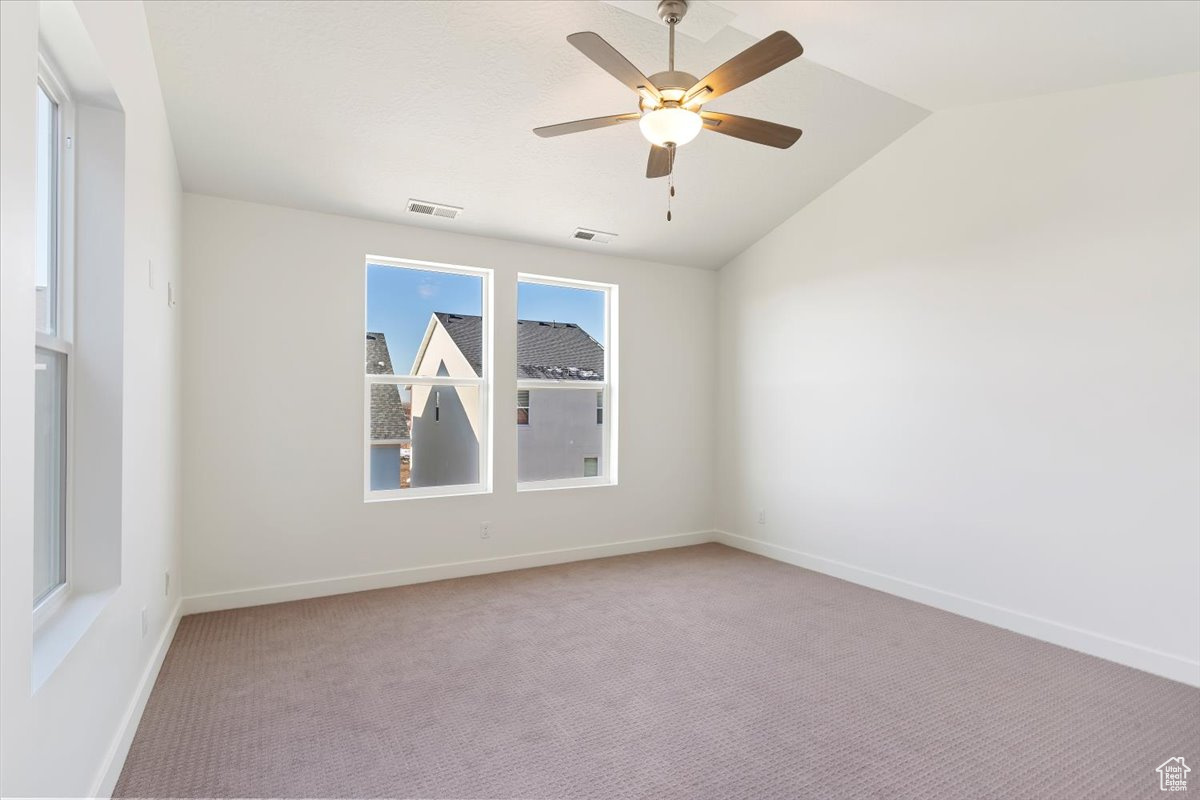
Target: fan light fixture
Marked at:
672, 107
670, 126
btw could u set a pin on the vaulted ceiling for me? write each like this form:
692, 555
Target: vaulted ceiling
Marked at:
355, 107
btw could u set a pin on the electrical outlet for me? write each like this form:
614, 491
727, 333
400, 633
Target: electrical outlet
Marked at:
485, 530
170, 295
167, 583
762, 517
145, 621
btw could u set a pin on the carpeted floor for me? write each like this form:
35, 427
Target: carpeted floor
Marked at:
701, 672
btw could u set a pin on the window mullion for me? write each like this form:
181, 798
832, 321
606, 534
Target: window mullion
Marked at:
536, 383
425, 380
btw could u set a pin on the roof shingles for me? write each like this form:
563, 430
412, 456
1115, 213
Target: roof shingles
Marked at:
389, 412
545, 350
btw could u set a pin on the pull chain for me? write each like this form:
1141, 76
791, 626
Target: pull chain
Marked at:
670, 178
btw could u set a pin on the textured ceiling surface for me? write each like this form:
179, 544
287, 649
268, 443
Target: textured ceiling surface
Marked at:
353, 108
941, 54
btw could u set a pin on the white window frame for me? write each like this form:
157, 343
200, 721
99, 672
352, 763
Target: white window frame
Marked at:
483, 385
608, 455
63, 339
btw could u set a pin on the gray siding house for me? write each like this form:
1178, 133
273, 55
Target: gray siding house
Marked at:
560, 432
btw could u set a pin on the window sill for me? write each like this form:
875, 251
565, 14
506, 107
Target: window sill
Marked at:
568, 483
388, 495
59, 634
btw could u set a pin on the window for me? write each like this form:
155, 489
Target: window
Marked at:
522, 406
53, 388
428, 367
566, 368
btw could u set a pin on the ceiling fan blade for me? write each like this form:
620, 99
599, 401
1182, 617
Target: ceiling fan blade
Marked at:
660, 162
759, 131
583, 125
612, 62
755, 61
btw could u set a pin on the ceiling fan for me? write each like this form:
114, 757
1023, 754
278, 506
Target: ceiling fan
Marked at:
670, 110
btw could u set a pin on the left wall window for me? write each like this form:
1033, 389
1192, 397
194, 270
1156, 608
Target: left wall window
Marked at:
53, 363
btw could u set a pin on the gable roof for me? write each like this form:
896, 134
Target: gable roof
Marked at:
389, 413
545, 350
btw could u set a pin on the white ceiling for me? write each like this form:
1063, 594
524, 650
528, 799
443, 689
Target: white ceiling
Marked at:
354, 107
941, 54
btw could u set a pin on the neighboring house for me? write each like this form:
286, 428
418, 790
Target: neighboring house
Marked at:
446, 420
560, 432
391, 443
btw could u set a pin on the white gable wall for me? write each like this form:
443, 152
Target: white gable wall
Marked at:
970, 372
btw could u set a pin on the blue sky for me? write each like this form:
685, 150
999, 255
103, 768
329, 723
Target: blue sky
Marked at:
400, 301
558, 304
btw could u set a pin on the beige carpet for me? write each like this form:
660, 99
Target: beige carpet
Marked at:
702, 672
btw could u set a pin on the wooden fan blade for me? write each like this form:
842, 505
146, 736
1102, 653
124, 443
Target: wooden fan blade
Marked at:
755, 61
583, 125
659, 163
612, 62
759, 131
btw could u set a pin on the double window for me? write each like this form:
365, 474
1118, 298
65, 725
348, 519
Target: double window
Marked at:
53, 362
428, 381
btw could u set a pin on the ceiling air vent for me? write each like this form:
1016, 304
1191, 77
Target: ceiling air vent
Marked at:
433, 209
599, 237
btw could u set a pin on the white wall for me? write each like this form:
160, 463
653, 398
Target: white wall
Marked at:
61, 739
273, 398
970, 372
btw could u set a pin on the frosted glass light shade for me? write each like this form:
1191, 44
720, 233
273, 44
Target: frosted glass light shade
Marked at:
676, 126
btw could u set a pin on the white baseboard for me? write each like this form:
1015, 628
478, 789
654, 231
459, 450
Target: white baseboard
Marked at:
1096, 644
110, 770
283, 593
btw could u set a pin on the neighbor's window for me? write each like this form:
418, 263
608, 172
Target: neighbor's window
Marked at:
427, 372
53, 350
522, 406
566, 372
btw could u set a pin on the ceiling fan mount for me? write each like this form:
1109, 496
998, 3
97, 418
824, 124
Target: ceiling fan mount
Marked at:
672, 11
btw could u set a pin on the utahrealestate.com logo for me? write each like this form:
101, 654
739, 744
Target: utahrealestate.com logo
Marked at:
1172, 775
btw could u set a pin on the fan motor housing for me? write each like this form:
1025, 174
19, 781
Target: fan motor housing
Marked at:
672, 84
